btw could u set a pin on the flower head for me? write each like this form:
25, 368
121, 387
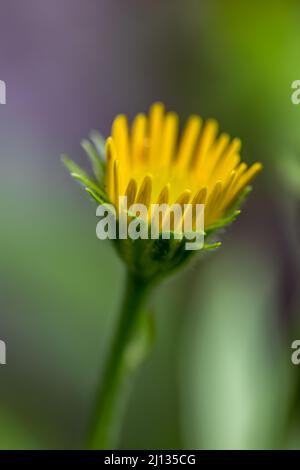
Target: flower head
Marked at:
150, 163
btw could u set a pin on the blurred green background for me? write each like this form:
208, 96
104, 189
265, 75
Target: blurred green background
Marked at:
220, 375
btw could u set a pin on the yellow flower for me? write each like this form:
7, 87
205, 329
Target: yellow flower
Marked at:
149, 163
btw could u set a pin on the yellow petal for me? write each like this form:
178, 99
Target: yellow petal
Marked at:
121, 138
163, 198
169, 138
206, 141
209, 164
184, 197
116, 182
139, 129
181, 200
144, 194
188, 142
212, 203
231, 190
131, 192
200, 196
227, 187
248, 176
229, 160
155, 131
110, 151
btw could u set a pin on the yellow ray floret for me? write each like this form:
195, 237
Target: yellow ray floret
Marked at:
150, 164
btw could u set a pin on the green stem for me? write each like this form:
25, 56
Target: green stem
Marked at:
112, 394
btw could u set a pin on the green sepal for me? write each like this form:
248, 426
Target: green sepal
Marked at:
73, 167
82, 177
87, 182
212, 246
96, 162
221, 223
99, 143
95, 196
237, 204
231, 214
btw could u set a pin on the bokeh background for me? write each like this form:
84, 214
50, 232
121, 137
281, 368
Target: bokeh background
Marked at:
220, 375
